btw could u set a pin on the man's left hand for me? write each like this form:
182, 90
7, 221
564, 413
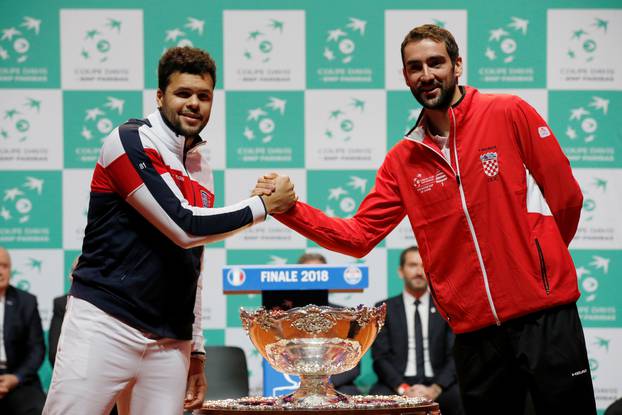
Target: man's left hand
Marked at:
196, 386
8, 382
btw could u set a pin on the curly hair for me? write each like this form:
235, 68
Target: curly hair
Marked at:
435, 33
185, 60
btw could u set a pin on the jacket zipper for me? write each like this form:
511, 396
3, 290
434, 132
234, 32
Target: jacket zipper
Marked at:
468, 217
186, 151
480, 258
545, 279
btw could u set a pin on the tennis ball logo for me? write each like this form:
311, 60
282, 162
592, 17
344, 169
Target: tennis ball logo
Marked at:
260, 122
584, 120
584, 44
14, 41
16, 204
97, 122
340, 43
183, 34
18, 119
588, 276
343, 200
503, 42
342, 121
261, 43
98, 41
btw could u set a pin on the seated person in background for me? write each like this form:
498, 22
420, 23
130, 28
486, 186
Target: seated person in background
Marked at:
21, 347
286, 299
412, 353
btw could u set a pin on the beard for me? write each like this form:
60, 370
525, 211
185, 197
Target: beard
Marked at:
180, 128
417, 284
440, 102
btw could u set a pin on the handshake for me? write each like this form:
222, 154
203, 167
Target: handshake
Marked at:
277, 192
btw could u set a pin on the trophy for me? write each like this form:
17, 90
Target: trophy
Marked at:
314, 343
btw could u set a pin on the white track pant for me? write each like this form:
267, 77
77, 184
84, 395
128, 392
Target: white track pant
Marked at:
101, 359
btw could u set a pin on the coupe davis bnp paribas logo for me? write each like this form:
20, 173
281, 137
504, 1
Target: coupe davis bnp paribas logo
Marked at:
16, 40
340, 45
93, 116
20, 275
99, 121
504, 41
17, 200
260, 43
98, 42
584, 41
592, 193
599, 351
510, 53
266, 129
584, 120
342, 121
342, 200
261, 122
187, 33
17, 120
588, 132
589, 275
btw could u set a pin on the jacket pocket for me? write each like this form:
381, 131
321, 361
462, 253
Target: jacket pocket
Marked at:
438, 304
545, 279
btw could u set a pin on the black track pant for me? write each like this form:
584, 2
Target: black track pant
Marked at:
543, 353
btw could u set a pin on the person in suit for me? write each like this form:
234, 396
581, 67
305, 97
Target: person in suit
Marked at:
22, 348
412, 353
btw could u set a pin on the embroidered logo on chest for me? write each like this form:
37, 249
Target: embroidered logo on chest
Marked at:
424, 183
490, 163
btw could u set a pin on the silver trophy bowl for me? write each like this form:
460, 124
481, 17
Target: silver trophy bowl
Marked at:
314, 343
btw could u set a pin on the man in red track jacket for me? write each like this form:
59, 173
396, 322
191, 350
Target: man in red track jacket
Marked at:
493, 205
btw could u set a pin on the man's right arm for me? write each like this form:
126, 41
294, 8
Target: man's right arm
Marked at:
380, 212
129, 167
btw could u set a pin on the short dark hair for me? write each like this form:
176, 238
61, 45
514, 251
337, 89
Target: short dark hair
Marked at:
435, 33
311, 256
405, 252
184, 59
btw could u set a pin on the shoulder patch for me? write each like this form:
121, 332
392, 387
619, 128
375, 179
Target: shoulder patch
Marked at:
544, 131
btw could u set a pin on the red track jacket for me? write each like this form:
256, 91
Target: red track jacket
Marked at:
492, 224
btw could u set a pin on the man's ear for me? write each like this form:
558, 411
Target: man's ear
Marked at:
458, 67
159, 97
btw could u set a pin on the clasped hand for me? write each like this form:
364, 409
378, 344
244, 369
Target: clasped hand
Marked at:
276, 191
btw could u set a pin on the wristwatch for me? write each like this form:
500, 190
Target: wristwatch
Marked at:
402, 388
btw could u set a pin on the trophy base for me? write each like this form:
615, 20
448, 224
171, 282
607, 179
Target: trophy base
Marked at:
314, 392
357, 405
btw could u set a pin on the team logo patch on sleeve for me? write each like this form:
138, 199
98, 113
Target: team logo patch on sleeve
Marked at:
207, 199
490, 163
544, 131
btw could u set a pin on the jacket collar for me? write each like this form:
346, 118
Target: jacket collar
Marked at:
165, 131
460, 108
